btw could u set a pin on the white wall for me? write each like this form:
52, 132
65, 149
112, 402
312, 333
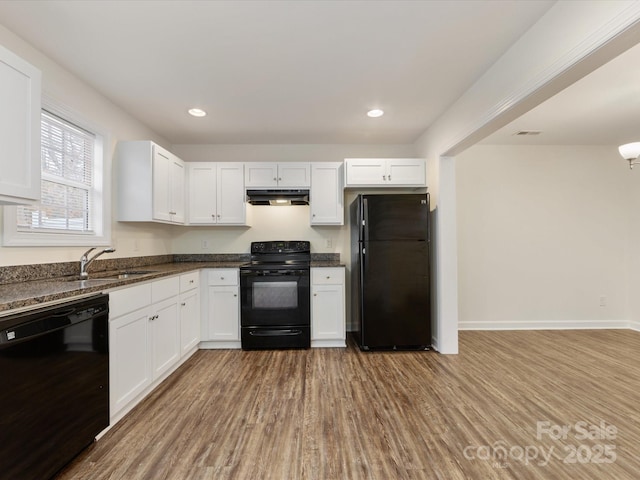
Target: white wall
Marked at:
634, 249
569, 41
543, 235
89, 104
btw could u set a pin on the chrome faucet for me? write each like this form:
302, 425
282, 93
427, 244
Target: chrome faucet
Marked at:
85, 261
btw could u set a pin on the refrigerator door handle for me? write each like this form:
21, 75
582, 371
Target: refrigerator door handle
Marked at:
428, 219
365, 217
363, 268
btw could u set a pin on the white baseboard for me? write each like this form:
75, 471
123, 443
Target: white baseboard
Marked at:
634, 326
339, 343
549, 325
219, 345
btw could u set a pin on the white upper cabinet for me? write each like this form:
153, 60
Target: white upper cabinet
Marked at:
216, 193
277, 175
20, 97
327, 194
385, 172
151, 184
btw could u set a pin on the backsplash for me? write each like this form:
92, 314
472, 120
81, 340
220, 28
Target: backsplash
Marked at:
41, 271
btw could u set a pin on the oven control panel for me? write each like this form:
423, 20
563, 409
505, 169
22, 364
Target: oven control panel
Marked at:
297, 246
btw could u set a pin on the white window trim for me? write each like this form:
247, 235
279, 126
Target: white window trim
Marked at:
12, 237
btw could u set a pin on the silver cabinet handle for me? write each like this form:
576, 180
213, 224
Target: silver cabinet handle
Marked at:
389, 177
221, 278
279, 179
275, 179
235, 294
190, 281
183, 304
328, 277
384, 177
172, 213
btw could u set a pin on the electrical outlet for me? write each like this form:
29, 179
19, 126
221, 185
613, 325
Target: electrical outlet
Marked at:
205, 244
328, 243
603, 301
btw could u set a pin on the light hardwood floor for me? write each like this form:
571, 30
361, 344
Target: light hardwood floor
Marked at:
343, 414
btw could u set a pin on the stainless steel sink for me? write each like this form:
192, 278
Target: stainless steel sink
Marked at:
109, 277
122, 275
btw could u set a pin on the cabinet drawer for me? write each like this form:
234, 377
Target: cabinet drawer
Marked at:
223, 276
129, 299
327, 276
165, 288
189, 281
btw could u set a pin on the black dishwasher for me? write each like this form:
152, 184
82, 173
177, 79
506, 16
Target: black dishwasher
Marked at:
54, 392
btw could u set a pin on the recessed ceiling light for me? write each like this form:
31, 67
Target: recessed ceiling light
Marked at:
197, 112
375, 113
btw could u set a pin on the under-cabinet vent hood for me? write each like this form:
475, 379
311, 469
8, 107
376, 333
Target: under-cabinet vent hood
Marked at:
278, 197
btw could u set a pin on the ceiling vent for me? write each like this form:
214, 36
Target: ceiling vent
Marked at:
527, 132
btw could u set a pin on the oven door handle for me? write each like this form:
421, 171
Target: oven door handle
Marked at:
273, 273
275, 333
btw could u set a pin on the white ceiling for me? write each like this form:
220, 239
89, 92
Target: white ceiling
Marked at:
277, 71
602, 108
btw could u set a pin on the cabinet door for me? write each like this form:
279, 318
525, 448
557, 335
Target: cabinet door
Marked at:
224, 313
365, 171
230, 194
189, 321
165, 335
202, 193
327, 312
129, 360
176, 185
257, 174
161, 182
406, 171
294, 175
327, 195
19, 130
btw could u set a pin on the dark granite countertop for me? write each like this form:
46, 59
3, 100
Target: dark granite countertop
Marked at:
28, 286
33, 293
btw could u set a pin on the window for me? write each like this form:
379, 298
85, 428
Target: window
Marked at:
73, 207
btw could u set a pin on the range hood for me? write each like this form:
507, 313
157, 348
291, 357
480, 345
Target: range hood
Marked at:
278, 197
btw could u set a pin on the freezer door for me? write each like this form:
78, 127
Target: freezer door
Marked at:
395, 295
395, 217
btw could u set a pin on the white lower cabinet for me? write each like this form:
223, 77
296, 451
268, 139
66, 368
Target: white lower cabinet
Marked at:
145, 338
189, 312
328, 326
129, 362
221, 307
165, 336
130, 371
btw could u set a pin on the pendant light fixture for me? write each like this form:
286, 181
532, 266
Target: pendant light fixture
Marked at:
630, 152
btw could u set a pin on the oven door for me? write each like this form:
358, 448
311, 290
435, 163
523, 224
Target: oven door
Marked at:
275, 308
274, 297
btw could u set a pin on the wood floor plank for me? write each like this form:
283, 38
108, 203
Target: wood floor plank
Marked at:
325, 414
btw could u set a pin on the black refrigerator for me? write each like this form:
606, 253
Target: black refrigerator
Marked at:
390, 285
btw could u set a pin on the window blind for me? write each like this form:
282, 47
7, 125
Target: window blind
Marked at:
67, 180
